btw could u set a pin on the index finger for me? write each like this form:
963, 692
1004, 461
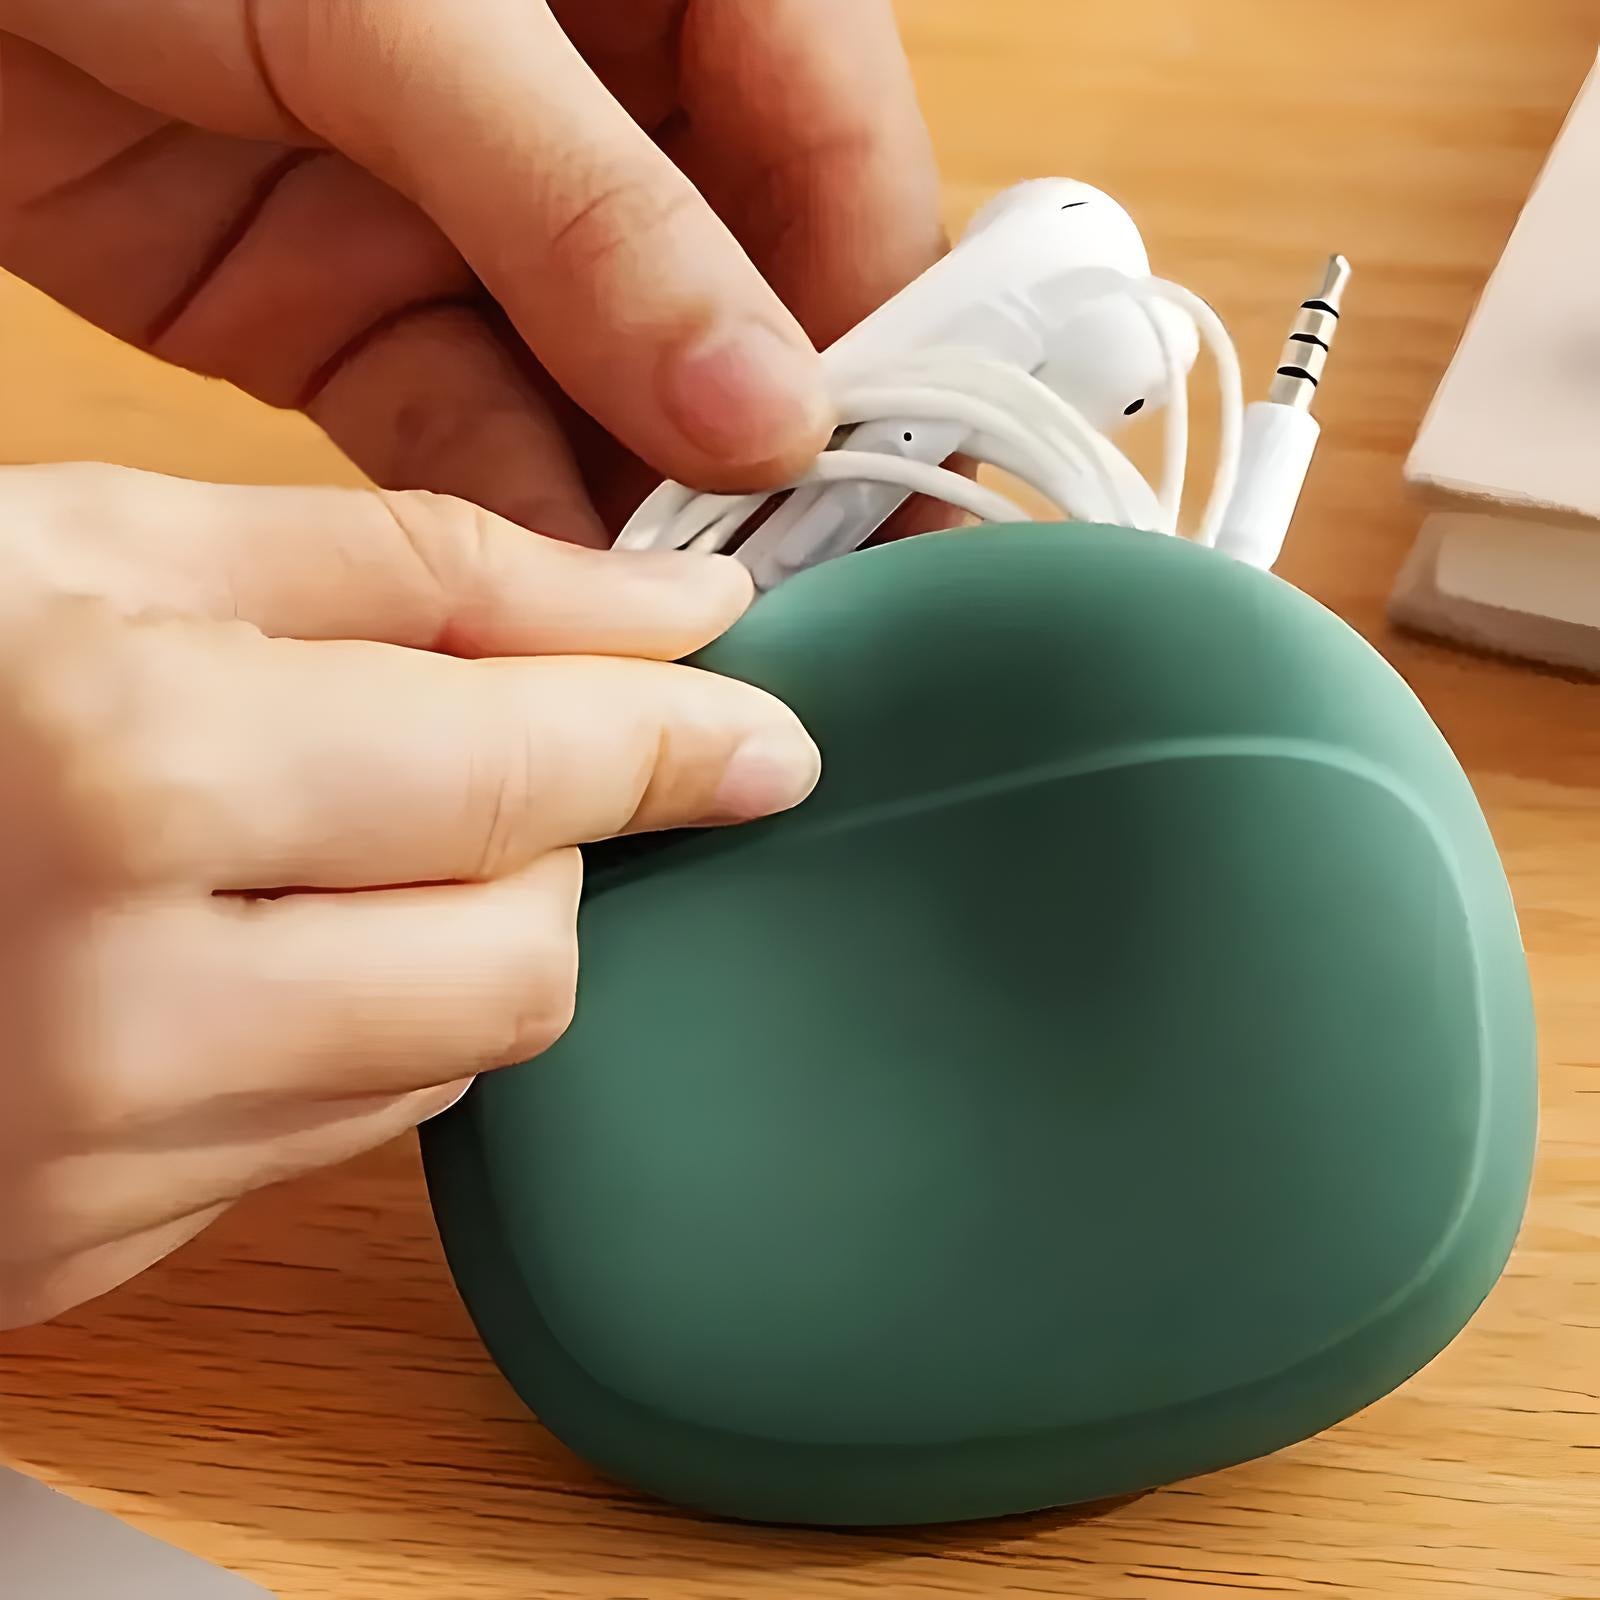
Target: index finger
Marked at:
426, 571
620, 277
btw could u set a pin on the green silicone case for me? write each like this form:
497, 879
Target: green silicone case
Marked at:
1121, 1067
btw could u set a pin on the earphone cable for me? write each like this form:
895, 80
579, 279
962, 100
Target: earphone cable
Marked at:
1014, 422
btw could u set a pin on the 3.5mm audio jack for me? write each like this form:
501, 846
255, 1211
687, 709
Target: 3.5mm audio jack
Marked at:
1305, 352
1280, 433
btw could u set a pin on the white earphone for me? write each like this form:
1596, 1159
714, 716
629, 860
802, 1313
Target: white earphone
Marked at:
1026, 347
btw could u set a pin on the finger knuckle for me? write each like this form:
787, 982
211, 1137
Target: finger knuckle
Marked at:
502, 795
615, 219
451, 543
548, 1003
441, 532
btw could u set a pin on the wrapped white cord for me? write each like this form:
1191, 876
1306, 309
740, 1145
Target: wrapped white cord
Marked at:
1230, 395
990, 399
1175, 436
1011, 420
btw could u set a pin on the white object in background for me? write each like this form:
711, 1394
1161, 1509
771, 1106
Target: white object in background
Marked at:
1511, 442
1513, 585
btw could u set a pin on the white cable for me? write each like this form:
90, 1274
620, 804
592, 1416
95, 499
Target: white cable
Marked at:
865, 466
862, 466
1014, 422
1230, 391
968, 398
1175, 436
1047, 435
1050, 451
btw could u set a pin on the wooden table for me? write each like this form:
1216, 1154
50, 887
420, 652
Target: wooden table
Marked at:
298, 1394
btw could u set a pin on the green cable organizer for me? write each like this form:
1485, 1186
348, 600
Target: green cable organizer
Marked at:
1121, 1067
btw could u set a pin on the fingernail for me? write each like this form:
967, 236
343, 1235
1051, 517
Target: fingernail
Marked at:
769, 772
747, 395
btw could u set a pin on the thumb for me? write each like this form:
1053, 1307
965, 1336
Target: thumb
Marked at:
619, 276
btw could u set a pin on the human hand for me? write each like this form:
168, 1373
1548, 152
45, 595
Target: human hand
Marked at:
374, 210
232, 746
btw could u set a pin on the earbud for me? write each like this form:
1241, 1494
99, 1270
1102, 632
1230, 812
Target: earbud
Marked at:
1030, 256
1109, 354
1038, 280
1033, 197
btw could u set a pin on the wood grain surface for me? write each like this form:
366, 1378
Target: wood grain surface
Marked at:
298, 1394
